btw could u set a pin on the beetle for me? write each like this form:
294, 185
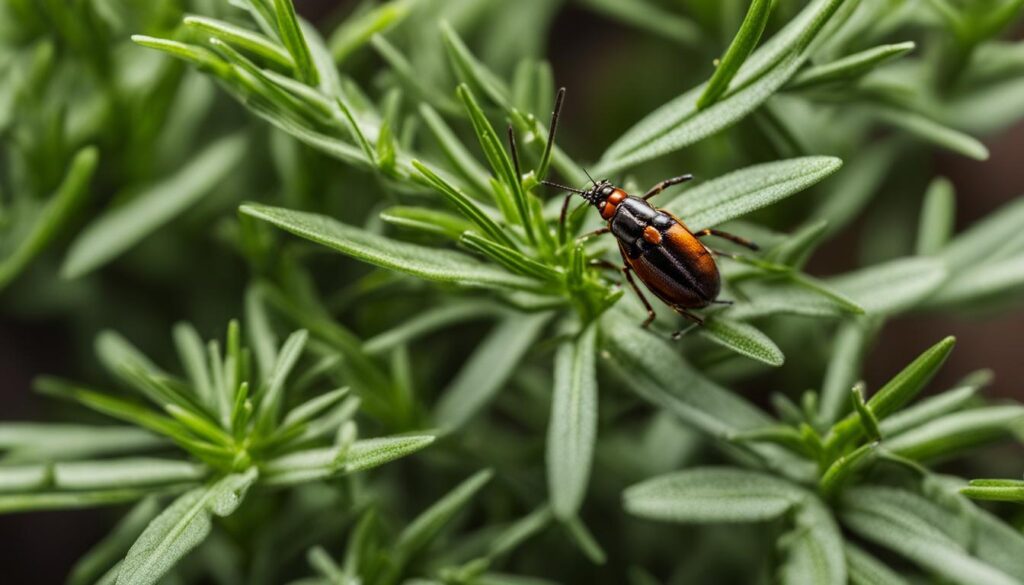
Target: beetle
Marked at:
655, 245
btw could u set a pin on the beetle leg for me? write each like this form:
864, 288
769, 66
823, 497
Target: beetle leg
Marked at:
697, 320
726, 235
678, 334
596, 232
721, 253
650, 310
720, 302
666, 184
599, 263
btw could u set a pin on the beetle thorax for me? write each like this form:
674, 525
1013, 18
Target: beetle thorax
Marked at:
605, 197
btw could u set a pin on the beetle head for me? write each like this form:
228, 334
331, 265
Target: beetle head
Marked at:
599, 193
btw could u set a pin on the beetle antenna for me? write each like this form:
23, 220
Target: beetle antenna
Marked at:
562, 187
589, 177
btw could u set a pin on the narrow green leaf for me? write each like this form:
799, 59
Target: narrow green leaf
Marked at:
497, 156
181, 528
425, 527
653, 368
844, 366
273, 394
743, 338
938, 214
201, 57
842, 470
109, 551
1003, 276
115, 407
896, 392
711, 494
465, 206
510, 258
794, 294
585, 541
430, 221
989, 239
936, 406
57, 442
813, 548
313, 407
850, 67
956, 432
242, 37
891, 287
123, 227
10, 503
739, 49
428, 322
471, 72
867, 418
905, 385
124, 473
650, 17
908, 524
428, 263
572, 430
998, 490
410, 78
295, 41
865, 569
932, 131
462, 161
322, 463
488, 369
192, 354
55, 215
679, 123
519, 531
730, 196
355, 32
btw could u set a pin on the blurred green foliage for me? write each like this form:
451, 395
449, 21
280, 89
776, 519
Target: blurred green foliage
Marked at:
156, 156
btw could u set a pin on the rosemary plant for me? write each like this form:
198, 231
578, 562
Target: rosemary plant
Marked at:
561, 441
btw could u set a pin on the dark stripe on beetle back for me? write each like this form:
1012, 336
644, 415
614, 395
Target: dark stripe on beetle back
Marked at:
674, 268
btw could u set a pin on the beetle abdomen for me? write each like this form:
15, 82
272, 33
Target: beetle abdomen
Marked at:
679, 270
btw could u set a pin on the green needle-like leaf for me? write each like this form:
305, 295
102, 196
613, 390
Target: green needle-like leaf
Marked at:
813, 548
428, 263
113, 547
243, 38
740, 48
938, 215
295, 41
730, 196
712, 495
54, 217
912, 527
956, 432
896, 392
123, 227
488, 368
465, 206
744, 339
572, 430
355, 32
679, 123
851, 66
181, 528
425, 527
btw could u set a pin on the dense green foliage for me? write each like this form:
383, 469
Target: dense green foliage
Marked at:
199, 160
